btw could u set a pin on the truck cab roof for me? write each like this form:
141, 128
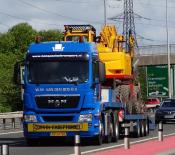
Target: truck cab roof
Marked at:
65, 47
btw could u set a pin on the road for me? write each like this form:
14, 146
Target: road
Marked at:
19, 147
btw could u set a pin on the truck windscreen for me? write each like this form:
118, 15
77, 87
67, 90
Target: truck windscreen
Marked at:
57, 70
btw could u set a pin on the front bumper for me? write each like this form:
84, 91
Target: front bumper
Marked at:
46, 130
163, 117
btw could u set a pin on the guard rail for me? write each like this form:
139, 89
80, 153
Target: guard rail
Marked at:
11, 119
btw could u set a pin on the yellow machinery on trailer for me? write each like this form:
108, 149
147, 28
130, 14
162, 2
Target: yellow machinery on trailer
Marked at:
118, 62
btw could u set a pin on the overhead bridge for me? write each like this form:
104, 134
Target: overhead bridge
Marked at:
155, 55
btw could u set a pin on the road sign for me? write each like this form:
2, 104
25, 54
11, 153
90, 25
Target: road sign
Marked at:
157, 81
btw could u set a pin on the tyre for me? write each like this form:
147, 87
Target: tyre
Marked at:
98, 140
108, 138
137, 130
142, 128
146, 127
115, 136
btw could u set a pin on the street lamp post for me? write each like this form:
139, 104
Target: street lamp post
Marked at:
168, 53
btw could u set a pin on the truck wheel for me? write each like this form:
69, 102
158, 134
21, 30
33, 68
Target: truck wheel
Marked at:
108, 138
98, 140
115, 136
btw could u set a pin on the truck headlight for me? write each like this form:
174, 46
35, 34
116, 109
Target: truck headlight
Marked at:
30, 118
85, 118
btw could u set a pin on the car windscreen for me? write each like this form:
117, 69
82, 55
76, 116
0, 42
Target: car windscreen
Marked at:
168, 103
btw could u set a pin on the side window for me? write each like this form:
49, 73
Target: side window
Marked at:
95, 71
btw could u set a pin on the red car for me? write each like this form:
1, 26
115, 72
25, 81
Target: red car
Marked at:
152, 102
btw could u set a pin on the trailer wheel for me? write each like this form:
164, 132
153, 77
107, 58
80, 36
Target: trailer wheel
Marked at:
142, 128
115, 136
146, 128
137, 132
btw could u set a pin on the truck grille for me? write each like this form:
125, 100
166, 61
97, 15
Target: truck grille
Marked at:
57, 118
57, 102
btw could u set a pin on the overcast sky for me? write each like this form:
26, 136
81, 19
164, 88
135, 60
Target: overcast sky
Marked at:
53, 14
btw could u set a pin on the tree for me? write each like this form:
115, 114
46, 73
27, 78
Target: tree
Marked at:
9, 94
51, 35
142, 80
14, 44
23, 34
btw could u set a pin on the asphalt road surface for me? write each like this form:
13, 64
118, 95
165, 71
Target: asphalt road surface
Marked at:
18, 146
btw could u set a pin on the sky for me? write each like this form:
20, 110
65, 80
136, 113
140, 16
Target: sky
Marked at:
54, 14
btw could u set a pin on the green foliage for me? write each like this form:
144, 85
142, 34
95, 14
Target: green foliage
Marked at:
7, 43
9, 94
14, 45
142, 80
51, 35
23, 34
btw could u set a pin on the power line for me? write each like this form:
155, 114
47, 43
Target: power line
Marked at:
55, 13
5, 25
78, 1
23, 19
154, 5
147, 39
12, 16
72, 2
150, 25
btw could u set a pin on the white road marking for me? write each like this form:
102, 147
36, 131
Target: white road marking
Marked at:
8, 133
115, 146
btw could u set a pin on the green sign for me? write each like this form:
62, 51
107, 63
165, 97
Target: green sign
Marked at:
157, 81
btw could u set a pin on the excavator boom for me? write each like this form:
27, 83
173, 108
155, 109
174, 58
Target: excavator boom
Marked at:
109, 45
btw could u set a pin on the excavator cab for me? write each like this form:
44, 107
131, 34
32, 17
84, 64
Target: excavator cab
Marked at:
81, 33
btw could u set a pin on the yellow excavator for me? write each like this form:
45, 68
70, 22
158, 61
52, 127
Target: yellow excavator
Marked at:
118, 62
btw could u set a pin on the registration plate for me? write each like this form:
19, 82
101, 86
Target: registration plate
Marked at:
58, 134
169, 116
39, 127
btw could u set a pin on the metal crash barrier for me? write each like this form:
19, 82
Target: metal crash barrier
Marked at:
10, 119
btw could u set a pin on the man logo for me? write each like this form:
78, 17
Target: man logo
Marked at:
58, 47
57, 103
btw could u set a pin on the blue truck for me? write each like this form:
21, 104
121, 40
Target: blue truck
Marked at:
64, 95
